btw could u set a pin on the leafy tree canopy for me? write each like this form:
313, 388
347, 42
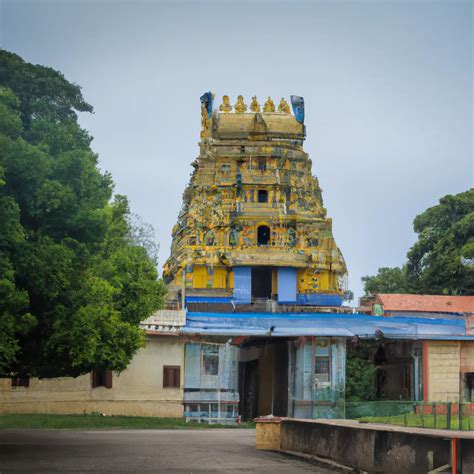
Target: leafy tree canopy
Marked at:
442, 259
75, 281
387, 280
361, 371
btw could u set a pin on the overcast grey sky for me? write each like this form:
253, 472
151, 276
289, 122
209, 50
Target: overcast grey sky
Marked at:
387, 87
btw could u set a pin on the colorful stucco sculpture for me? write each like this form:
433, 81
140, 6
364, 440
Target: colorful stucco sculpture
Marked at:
252, 224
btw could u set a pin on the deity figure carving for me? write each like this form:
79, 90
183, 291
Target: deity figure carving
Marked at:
210, 238
204, 122
283, 107
233, 236
240, 107
291, 235
269, 106
248, 236
225, 106
254, 106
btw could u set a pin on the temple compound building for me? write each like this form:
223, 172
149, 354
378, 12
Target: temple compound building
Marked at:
254, 323
253, 227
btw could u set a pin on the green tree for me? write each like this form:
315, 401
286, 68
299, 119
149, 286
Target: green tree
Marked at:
42, 91
442, 259
74, 281
387, 280
438, 263
361, 371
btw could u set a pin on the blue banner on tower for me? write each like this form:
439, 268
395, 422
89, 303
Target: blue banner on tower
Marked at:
206, 100
297, 103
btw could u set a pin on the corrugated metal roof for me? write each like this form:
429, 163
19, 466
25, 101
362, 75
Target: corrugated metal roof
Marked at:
427, 303
323, 324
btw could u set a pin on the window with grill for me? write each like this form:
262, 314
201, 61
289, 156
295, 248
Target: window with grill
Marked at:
210, 359
101, 378
20, 382
322, 370
262, 164
171, 376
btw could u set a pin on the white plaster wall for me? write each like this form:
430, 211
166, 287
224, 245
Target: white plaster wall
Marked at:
138, 390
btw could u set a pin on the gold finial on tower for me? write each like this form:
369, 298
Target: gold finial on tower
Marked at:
284, 108
225, 106
269, 106
254, 106
240, 107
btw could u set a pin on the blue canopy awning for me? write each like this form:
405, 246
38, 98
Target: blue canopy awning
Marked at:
324, 324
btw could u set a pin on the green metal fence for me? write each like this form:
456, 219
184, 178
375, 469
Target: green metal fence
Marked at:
440, 415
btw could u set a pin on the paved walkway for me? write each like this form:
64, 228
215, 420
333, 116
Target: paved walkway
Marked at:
140, 451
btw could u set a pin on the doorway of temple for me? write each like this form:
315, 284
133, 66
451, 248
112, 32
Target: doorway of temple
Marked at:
248, 388
262, 282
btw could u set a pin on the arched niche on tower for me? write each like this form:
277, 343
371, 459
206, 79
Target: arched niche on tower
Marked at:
263, 235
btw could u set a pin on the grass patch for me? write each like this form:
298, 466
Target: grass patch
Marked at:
423, 421
99, 422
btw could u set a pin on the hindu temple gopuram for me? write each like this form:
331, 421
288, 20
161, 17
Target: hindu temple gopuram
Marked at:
252, 226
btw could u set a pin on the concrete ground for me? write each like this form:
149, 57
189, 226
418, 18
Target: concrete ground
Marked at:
215, 450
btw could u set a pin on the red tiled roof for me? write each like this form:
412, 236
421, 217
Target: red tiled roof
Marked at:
427, 303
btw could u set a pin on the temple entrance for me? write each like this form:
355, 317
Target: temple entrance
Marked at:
262, 282
248, 389
263, 378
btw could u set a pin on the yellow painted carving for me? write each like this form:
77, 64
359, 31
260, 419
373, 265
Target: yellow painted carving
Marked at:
225, 106
254, 105
283, 107
269, 106
205, 121
240, 107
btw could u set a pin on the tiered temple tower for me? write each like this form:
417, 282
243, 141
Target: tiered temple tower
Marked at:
252, 225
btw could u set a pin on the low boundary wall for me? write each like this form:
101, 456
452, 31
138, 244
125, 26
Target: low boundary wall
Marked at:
379, 448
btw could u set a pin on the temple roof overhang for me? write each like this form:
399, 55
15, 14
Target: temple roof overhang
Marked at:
325, 325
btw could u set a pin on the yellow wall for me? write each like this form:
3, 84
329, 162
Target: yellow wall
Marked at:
275, 282
199, 276
209, 278
443, 370
313, 281
138, 390
220, 277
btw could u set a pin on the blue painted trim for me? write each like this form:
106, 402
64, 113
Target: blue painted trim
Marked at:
353, 317
319, 299
286, 285
242, 285
208, 299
